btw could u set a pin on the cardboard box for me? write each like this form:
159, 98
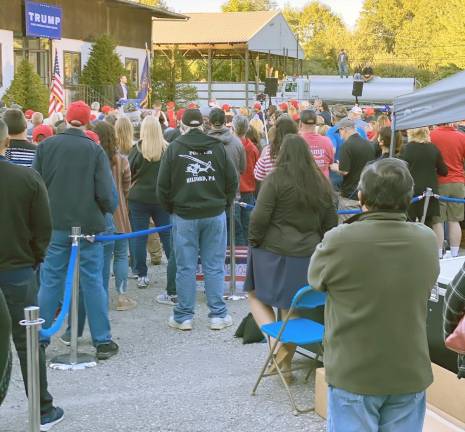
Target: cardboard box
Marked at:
446, 401
447, 393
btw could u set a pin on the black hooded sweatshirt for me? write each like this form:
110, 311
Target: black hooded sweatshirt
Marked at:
196, 178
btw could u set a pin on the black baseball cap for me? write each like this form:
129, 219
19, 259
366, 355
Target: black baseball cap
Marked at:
192, 118
308, 117
217, 117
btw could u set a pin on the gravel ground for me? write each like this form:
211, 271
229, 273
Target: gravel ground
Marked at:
168, 381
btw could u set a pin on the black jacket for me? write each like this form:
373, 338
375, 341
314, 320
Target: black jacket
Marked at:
77, 174
196, 179
144, 175
25, 224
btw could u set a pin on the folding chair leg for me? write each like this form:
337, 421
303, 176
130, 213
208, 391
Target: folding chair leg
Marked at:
268, 359
315, 363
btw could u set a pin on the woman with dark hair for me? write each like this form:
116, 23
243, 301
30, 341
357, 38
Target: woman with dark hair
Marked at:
425, 163
285, 125
294, 209
118, 249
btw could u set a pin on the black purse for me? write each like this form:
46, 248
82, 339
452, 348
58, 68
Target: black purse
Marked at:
248, 330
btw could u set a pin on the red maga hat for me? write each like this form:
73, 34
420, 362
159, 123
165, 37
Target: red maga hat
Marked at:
44, 130
78, 114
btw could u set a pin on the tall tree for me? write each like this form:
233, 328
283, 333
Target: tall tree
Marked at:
320, 31
155, 3
104, 66
248, 5
27, 89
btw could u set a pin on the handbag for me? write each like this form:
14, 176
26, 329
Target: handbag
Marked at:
456, 340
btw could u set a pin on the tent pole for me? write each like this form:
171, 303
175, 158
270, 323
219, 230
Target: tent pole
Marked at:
393, 134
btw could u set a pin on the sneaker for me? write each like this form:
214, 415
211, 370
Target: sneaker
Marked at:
184, 326
125, 303
107, 350
166, 299
65, 339
53, 417
221, 323
143, 282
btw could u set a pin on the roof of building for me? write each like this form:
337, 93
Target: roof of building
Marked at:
211, 28
156, 11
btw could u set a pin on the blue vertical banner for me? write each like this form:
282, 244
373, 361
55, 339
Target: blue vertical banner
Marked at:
43, 20
145, 90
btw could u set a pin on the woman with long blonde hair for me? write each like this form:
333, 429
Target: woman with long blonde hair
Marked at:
144, 160
124, 135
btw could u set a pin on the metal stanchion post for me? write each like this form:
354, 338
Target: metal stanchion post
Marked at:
428, 195
74, 360
32, 322
232, 259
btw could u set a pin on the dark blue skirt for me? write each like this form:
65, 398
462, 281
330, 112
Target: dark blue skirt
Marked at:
275, 278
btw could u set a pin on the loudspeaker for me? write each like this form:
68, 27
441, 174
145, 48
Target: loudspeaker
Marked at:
271, 86
357, 88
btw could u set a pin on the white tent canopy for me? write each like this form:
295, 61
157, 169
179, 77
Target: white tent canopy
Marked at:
440, 102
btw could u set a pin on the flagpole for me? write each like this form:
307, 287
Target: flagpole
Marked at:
149, 74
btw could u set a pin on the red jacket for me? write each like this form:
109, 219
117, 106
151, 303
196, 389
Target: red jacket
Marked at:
247, 180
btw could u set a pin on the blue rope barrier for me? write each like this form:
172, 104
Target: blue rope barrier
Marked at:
417, 199
449, 199
46, 333
349, 212
101, 238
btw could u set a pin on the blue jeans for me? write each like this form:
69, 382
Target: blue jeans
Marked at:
242, 238
52, 282
343, 69
350, 412
207, 236
140, 219
171, 272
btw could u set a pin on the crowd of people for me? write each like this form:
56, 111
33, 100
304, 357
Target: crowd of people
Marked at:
115, 171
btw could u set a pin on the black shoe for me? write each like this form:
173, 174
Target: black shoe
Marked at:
107, 350
53, 417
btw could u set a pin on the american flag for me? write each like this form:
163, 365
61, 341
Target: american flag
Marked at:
56, 90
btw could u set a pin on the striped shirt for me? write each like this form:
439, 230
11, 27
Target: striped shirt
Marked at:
454, 310
264, 165
21, 152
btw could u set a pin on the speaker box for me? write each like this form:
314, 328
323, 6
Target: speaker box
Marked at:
357, 88
271, 86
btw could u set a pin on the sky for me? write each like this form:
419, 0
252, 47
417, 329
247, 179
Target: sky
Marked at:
348, 10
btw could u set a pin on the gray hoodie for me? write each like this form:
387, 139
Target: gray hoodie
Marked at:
233, 146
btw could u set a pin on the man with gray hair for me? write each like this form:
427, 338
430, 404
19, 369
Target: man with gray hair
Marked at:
196, 183
25, 230
355, 154
377, 360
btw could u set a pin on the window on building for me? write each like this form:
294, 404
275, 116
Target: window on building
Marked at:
37, 52
71, 67
132, 66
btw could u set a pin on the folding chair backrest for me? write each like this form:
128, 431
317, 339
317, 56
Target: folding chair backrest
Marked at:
308, 298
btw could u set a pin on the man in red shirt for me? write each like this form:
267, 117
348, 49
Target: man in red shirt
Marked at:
451, 144
320, 146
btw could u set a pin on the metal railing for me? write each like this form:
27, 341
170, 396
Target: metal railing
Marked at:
104, 94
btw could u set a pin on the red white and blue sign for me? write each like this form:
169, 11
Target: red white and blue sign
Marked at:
43, 20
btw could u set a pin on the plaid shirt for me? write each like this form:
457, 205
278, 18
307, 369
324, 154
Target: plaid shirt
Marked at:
454, 310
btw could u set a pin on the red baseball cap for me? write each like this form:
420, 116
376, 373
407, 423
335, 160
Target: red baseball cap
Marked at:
258, 106
294, 103
78, 114
192, 105
106, 109
93, 136
28, 114
226, 108
42, 130
283, 106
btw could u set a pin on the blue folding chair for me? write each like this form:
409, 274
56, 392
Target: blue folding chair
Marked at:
295, 331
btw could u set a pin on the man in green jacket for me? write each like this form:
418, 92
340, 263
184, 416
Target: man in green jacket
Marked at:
378, 271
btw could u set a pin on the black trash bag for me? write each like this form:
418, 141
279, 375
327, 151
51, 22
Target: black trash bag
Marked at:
249, 332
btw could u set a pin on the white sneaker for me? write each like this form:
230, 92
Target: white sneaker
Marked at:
167, 299
221, 323
143, 282
184, 326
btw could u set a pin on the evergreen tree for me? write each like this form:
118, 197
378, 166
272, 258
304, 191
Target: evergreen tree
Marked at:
28, 90
168, 74
104, 66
